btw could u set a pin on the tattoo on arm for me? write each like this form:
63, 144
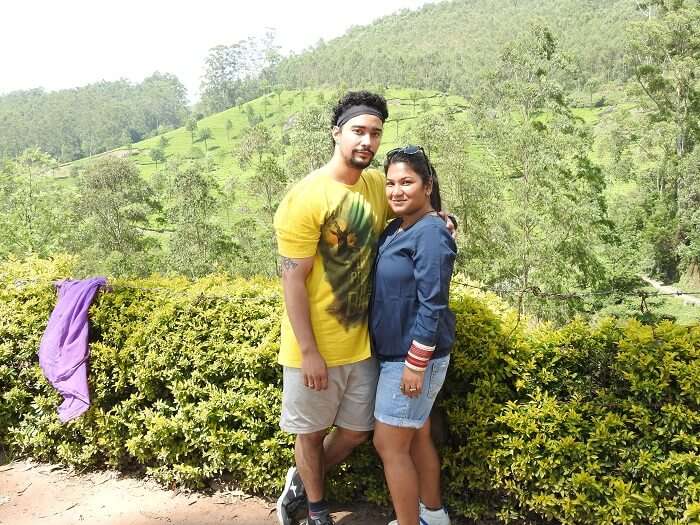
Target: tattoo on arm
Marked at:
288, 264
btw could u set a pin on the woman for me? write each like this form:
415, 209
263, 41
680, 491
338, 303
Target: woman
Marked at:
412, 332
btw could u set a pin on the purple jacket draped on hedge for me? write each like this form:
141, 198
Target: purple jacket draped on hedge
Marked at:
63, 352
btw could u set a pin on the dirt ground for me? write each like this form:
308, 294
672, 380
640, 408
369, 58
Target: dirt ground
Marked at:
41, 494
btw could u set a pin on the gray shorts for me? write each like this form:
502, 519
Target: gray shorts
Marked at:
348, 402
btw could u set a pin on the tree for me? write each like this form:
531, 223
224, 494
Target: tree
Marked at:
253, 118
228, 196
222, 70
229, 127
191, 126
310, 145
414, 97
664, 51
255, 142
269, 182
205, 134
127, 141
550, 208
72, 123
115, 203
242, 71
198, 244
30, 219
164, 99
468, 190
157, 155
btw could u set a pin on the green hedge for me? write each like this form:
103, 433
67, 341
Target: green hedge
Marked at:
584, 424
606, 428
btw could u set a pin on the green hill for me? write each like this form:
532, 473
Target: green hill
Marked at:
449, 45
276, 112
74, 123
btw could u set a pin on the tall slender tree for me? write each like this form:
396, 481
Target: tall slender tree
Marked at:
664, 52
551, 212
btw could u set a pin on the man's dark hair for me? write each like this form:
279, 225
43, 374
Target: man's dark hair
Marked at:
359, 98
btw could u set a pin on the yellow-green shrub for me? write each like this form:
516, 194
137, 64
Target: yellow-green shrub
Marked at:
585, 424
606, 429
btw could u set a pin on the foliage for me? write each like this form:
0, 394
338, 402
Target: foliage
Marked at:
664, 52
114, 202
74, 123
584, 424
256, 141
157, 155
467, 188
550, 211
449, 46
30, 219
204, 135
191, 126
198, 244
308, 134
606, 427
269, 182
550, 197
241, 71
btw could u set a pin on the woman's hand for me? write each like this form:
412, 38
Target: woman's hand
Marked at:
412, 382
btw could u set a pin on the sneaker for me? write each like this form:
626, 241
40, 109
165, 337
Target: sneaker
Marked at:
292, 504
324, 519
430, 517
434, 517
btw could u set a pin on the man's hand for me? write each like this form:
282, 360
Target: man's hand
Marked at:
412, 382
451, 226
313, 366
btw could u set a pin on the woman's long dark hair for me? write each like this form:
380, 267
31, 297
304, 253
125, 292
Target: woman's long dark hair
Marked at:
420, 164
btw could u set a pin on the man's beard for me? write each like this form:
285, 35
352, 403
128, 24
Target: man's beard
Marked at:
360, 163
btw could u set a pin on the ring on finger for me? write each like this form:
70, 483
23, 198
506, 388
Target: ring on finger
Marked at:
412, 389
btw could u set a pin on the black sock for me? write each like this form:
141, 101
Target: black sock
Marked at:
318, 508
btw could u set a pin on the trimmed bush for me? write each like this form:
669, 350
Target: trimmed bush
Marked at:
583, 424
607, 426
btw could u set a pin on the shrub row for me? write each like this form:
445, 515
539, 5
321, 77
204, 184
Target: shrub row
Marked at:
578, 425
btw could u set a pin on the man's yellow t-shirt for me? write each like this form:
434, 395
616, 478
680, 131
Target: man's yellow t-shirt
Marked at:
339, 225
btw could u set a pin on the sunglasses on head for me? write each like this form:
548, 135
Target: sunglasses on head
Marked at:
408, 150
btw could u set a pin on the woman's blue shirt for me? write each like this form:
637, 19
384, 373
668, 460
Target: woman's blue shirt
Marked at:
410, 297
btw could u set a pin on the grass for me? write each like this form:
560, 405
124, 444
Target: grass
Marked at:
669, 306
660, 306
276, 111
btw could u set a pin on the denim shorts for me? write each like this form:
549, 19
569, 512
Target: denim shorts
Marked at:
393, 407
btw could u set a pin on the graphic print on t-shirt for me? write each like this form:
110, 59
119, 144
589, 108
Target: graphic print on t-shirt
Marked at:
347, 247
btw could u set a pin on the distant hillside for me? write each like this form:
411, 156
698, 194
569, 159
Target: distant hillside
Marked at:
449, 45
74, 123
275, 113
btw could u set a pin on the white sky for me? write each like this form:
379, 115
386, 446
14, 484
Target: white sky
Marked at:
57, 44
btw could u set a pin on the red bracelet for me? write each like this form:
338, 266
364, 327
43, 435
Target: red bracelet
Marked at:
418, 356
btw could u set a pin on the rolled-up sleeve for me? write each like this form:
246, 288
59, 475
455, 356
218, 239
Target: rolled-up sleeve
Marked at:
433, 260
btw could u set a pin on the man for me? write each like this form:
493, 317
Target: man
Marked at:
327, 227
